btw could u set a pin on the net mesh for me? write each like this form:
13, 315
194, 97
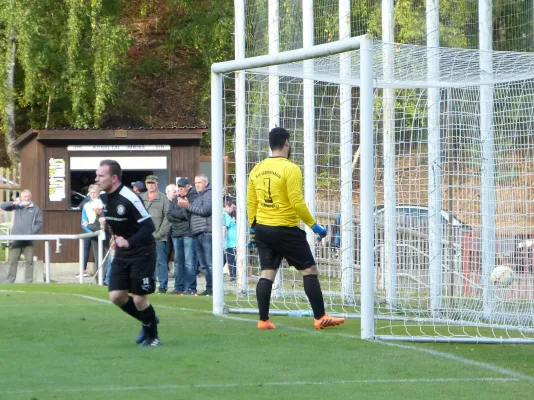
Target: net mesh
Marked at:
472, 306
512, 22
409, 67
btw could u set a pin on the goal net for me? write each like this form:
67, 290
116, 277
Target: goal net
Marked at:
451, 197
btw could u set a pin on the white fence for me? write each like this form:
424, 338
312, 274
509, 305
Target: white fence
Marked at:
58, 238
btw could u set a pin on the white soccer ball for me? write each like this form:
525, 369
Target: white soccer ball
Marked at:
502, 276
97, 204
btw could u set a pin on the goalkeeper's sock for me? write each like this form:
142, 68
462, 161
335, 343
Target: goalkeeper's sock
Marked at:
312, 288
148, 318
263, 295
130, 308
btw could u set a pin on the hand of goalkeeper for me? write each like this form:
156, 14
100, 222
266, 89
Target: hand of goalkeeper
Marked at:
319, 230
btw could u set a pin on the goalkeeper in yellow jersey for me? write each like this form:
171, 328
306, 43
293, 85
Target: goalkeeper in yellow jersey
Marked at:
275, 206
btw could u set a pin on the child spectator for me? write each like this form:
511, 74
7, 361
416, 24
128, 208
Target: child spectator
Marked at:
229, 236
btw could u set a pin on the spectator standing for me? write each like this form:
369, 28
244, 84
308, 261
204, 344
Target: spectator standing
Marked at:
98, 225
229, 236
228, 196
90, 217
185, 259
138, 187
157, 205
28, 220
200, 209
170, 191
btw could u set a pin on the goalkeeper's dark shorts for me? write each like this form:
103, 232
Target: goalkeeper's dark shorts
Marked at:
277, 242
133, 270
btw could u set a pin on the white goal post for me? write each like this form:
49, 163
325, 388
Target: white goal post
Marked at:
365, 44
435, 197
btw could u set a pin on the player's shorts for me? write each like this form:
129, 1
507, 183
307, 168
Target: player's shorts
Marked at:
133, 270
277, 242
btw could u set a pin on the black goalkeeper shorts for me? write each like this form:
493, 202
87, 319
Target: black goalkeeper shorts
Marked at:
133, 270
277, 242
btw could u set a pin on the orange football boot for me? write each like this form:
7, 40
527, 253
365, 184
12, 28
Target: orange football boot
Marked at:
326, 321
262, 325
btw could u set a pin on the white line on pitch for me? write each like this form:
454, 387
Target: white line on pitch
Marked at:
84, 296
480, 364
490, 367
260, 384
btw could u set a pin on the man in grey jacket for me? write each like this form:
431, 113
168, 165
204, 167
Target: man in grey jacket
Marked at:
200, 210
157, 205
28, 221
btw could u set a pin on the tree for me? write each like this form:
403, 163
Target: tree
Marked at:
7, 75
95, 46
205, 30
64, 51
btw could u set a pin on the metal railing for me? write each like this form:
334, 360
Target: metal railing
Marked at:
58, 238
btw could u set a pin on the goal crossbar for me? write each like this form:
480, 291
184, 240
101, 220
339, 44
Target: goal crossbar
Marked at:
406, 66
286, 57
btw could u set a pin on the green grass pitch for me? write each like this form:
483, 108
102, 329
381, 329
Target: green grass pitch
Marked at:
68, 342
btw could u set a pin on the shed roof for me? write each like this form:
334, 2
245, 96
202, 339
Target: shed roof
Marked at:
166, 135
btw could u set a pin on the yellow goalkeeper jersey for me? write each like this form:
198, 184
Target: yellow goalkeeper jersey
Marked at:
274, 194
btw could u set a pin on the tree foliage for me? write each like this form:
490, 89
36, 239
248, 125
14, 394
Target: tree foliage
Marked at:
68, 52
96, 44
203, 30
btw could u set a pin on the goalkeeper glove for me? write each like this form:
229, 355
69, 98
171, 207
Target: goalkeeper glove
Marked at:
319, 230
252, 238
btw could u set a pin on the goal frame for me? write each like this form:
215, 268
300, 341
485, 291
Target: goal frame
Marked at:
365, 44
367, 82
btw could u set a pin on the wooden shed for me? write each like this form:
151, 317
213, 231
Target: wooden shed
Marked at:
58, 164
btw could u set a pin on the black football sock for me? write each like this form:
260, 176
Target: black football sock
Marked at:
148, 318
130, 308
263, 295
312, 288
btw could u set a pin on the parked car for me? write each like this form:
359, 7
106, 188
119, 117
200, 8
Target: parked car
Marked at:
521, 256
412, 224
417, 217
407, 216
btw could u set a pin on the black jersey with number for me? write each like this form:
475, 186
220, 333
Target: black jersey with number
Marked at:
124, 212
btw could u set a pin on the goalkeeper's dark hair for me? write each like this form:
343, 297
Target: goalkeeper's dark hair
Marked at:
277, 138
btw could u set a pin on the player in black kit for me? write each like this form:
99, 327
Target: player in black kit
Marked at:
133, 266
